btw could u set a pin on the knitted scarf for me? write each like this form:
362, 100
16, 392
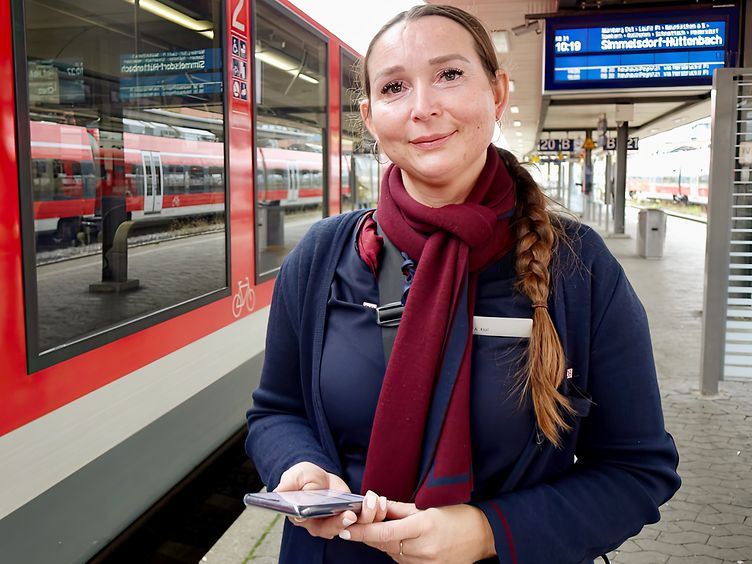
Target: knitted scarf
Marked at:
420, 441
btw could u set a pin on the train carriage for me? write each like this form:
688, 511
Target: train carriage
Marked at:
680, 175
121, 115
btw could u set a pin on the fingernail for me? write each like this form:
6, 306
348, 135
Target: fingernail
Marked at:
347, 522
382, 503
345, 535
371, 501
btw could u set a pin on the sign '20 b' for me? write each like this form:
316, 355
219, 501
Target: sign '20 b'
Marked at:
556, 145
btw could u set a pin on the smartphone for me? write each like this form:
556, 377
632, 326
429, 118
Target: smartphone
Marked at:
306, 504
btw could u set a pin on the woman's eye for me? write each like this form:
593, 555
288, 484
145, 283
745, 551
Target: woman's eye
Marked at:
392, 88
451, 74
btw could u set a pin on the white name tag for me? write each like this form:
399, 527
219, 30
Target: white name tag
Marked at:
502, 326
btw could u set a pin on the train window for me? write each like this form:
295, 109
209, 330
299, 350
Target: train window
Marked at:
126, 114
89, 179
41, 181
58, 167
291, 121
216, 178
359, 175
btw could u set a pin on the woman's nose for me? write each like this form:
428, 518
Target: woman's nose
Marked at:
426, 103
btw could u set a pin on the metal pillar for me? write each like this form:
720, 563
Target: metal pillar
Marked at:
587, 180
622, 132
570, 185
607, 198
722, 187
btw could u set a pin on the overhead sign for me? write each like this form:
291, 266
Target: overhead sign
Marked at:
555, 145
639, 50
633, 144
196, 73
56, 81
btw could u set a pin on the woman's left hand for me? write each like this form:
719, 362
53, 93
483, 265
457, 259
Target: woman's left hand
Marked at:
456, 534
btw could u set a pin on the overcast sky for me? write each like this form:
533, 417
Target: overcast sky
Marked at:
354, 21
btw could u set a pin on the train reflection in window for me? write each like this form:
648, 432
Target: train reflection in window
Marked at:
126, 124
360, 168
290, 104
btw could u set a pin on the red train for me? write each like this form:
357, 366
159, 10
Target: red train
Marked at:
112, 112
680, 176
166, 175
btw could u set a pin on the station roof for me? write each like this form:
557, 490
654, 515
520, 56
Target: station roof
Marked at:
563, 115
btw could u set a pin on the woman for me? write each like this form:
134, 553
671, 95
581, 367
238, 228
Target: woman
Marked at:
465, 445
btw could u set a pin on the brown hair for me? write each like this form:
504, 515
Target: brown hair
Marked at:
537, 233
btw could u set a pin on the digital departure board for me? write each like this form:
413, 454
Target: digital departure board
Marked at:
163, 74
641, 50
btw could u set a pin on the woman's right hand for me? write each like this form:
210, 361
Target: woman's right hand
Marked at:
308, 476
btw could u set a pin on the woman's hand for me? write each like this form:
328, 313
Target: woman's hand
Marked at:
308, 476
456, 534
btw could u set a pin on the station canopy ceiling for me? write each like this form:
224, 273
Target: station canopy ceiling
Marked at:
568, 115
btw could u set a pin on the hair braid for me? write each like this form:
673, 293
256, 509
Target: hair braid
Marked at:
537, 234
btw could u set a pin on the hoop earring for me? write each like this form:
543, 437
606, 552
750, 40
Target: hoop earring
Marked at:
376, 153
498, 134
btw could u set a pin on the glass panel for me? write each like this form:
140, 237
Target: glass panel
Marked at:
360, 169
290, 132
123, 100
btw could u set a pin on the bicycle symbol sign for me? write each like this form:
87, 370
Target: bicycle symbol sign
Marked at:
245, 297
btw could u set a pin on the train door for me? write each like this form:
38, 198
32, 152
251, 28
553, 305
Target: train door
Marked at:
153, 182
293, 181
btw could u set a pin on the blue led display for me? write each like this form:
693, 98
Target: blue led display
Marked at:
639, 50
171, 73
696, 35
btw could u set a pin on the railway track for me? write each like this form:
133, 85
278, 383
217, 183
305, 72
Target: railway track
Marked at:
183, 525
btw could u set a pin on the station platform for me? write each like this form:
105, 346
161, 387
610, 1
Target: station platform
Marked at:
709, 521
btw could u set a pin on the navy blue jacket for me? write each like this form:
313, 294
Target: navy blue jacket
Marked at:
551, 508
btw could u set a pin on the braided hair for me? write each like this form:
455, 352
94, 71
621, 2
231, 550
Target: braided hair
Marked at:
538, 233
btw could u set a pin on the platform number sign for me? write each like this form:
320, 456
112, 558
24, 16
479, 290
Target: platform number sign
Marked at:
556, 145
547, 144
633, 144
236, 23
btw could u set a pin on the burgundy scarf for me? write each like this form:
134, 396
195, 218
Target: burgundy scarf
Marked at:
420, 441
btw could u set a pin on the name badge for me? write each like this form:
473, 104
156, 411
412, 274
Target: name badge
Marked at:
503, 326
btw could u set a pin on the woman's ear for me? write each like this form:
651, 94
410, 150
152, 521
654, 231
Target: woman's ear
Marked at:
501, 92
365, 115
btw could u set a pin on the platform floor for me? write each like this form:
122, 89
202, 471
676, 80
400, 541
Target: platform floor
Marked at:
709, 521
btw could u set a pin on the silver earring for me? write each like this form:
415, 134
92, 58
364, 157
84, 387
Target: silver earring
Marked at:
498, 132
376, 153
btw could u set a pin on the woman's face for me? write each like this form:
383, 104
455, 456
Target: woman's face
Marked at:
432, 106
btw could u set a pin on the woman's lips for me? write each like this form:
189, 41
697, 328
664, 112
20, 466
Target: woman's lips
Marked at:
431, 141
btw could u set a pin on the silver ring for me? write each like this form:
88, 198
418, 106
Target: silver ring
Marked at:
401, 553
